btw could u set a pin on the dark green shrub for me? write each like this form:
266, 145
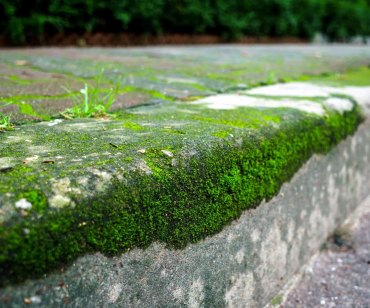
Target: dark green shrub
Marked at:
189, 16
24, 21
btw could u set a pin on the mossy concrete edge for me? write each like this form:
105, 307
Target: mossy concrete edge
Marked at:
246, 264
179, 193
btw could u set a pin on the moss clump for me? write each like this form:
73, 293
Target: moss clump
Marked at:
132, 125
277, 300
37, 198
222, 134
354, 77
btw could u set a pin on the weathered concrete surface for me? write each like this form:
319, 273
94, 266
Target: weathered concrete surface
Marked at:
243, 266
339, 275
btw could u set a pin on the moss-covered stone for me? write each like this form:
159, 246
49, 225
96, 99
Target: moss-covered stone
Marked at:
175, 173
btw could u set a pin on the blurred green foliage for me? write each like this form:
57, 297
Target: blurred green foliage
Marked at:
23, 21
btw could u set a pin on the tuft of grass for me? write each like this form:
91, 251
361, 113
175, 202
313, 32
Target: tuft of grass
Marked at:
5, 123
93, 101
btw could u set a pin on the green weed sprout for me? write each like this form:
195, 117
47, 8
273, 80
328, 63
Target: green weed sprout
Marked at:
5, 123
92, 100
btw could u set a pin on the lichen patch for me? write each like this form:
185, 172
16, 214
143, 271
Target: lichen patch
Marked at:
101, 178
196, 294
62, 192
59, 201
142, 166
114, 293
241, 290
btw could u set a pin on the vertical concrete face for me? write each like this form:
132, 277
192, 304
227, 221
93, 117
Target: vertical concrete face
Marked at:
245, 265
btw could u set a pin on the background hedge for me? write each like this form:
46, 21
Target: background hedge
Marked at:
23, 21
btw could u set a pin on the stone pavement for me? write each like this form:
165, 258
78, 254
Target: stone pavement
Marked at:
160, 74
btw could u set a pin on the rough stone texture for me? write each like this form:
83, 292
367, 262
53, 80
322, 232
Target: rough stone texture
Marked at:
339, 275
243, 266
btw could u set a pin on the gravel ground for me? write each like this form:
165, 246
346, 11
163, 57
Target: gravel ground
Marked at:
340, 275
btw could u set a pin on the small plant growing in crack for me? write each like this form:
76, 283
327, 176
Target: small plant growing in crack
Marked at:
92, 100
5, 123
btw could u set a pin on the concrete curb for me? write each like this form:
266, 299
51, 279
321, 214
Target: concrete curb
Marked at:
243, 266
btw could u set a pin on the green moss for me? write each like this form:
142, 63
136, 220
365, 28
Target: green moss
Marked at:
222, 134
354, 77
277, 300
19, 80
132, 125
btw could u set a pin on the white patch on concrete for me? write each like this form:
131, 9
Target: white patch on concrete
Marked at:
142, 166
114, 293
241, 292
239, 256
55, 122
360, 94
178, 294
83, 180
290, 231
291, 89
255, 235
59, 201
23, 204
82, 125
232, 101
167, 153
31, 159
317, 229
306, 90
35, 299
14, 139
6, 162
102, 178
231, 237
339, 104
196, 294
38, 149
295, 248
62, 189
333, 193
273, 256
